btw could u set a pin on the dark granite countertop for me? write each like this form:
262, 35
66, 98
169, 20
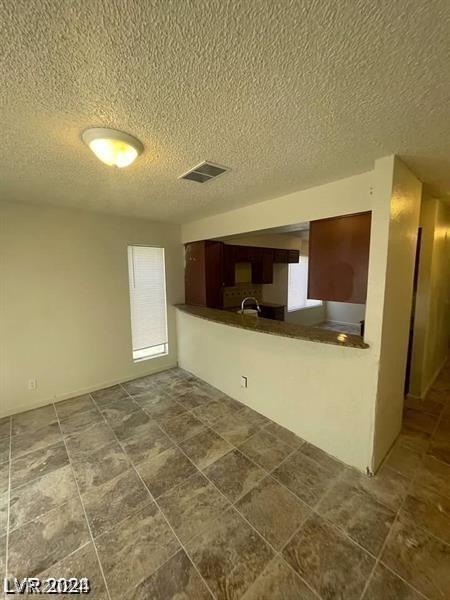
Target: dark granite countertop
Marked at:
281, 328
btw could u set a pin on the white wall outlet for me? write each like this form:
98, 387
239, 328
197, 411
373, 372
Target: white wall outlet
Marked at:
32, 384
243, 381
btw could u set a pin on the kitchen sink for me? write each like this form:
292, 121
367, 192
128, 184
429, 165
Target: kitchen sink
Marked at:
250, 312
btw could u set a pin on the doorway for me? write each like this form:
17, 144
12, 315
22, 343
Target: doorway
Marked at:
413, 312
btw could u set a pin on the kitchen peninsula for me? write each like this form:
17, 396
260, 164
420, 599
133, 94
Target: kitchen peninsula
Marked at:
273, 327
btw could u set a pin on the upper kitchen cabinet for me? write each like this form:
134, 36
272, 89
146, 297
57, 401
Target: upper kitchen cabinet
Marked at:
210, 266
339, 258
229, 262
285, 256
203, 276
262, 266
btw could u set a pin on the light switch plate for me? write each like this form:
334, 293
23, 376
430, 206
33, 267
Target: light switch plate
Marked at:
243, 381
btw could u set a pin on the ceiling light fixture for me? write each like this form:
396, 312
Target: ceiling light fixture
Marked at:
114, 148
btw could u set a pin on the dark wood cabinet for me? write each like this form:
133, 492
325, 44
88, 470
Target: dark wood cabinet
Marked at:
228, 267
280, 256
339, 258
285, 256
262, 267
204, 273
272, 312
210, 265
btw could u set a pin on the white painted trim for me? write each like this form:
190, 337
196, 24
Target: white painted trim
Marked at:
73, 394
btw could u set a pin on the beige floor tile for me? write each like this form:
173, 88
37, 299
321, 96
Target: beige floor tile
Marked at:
420, 559
286, 436
205, 448
37, 546
435, 475
328, 561
133, 550
114, 501
82, 563
278, 580
358, 514
274, 511
404, 459
73, 406
32, 420
305, 477
229, 555
385, 585
163, 472
41, 496
177, 578
192, 506
429, 511
265, 449
234, 474
38, 463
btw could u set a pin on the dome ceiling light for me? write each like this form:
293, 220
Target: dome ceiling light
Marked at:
114, 148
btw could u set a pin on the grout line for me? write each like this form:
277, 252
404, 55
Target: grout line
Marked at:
82, 506
232, 506
314, 508
396, 518
8, 498
268, 473
315, 592
159, 508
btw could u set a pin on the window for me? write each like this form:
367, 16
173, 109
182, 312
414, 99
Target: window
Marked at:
298, 286
148, 304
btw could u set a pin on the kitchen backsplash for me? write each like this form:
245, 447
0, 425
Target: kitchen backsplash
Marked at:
233, 296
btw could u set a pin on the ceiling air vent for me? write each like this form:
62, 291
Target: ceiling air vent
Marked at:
204, 172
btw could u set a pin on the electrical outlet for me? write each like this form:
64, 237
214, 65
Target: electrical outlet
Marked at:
32, 384
243, 381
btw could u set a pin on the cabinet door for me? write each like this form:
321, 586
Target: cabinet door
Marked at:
214, 274
262, 269
241, 253
339, 258
280, 255
229, 262
195, 274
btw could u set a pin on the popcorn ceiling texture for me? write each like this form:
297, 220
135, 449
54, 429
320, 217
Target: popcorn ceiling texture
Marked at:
288, 94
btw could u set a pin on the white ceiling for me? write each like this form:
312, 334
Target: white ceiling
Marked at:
288, 94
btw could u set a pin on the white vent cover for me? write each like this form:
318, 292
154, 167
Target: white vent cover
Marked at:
204, 172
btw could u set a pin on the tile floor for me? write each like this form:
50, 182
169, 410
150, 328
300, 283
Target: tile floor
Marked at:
165, 488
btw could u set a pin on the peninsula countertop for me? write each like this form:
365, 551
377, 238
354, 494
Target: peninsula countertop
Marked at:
272, 327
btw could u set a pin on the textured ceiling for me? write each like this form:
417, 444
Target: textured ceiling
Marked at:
288, 94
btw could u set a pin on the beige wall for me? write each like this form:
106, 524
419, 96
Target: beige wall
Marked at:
326, 394
317, 390
344, 312
403, 202
287, 377
346, 195
64, 314
431, 323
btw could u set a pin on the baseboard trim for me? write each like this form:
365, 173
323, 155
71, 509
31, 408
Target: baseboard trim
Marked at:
86, 390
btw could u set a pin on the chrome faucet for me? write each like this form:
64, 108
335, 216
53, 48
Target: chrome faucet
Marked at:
250, 298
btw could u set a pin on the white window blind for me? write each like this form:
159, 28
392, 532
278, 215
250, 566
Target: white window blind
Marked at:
298, 286
147, 301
